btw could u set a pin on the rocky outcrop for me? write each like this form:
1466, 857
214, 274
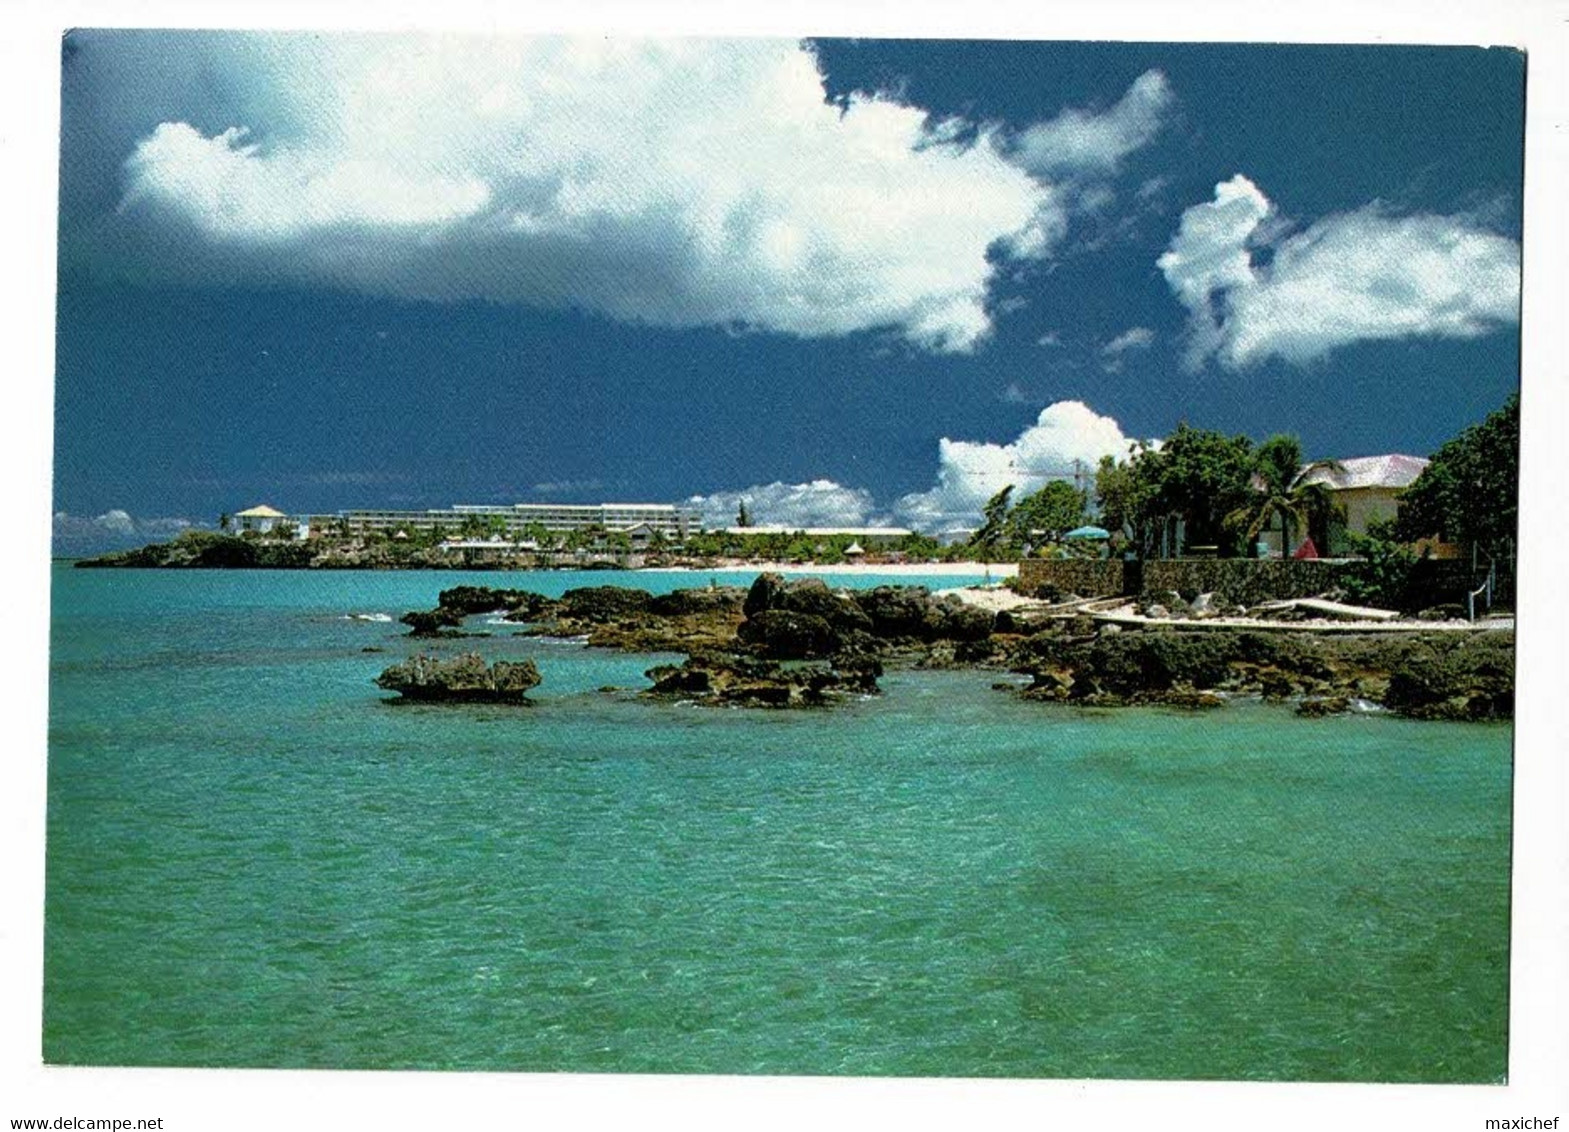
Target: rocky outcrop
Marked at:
709, 601
618, 617
782, 634
1427, 676
804, 619
462, 679
911, 613
600, 605
516, 605
438, 622
737, 680
208, 550
1454, 677
846, 635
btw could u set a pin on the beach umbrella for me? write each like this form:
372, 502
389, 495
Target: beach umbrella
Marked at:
1088, 532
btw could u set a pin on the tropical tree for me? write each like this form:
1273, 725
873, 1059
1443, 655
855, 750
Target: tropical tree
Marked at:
994, 522
918, 546
1195, 477
1056, 508
1281, 490
1469, 492
1203, 477
1124, 493
743, 516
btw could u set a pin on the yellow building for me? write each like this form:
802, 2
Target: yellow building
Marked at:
1367, 489
261, 519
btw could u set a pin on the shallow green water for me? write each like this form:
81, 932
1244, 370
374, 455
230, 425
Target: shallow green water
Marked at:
254, 859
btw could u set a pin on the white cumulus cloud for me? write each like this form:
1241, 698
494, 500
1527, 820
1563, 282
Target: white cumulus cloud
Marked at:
673, 182
971, 472
1081, 142
1359, 276
820, 503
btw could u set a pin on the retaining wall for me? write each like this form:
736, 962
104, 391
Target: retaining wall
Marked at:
1087, 577
1240, 581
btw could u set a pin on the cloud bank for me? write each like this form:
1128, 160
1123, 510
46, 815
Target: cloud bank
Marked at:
820, 503
115, 529
971, 472
671, 182
1359, 276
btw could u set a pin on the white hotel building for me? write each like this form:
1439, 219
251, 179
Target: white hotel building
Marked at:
635, 519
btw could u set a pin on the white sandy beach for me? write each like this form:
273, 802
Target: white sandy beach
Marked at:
997, 570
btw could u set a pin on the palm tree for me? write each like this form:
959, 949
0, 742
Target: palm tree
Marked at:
1278, 477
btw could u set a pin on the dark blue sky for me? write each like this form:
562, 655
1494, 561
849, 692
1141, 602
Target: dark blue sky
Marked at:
244, 325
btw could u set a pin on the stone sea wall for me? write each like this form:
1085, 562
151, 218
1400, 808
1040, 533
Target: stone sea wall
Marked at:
1236, 581
1087, 577
1243, 581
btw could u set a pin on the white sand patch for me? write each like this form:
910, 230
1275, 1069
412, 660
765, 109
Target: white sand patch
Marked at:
994, 598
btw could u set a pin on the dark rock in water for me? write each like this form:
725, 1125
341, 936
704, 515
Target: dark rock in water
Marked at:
690, 603
518, 605
960, 621
763, 594
771, 593
609, 616
731, 679
1327, 705
780, 634
463, 679
439, 622
1273, 684
1460, 676
597, 605
1470, 678
1128, 666
901, 612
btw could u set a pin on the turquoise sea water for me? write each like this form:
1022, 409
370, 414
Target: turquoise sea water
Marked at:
255, 859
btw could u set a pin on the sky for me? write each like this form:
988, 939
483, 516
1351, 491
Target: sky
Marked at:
849, 281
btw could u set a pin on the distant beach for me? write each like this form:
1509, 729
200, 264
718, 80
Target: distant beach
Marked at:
997, 570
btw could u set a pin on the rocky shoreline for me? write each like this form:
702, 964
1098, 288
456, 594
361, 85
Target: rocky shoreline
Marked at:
798, 643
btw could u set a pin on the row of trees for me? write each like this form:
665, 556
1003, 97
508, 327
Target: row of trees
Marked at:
1224, 491
1221, 489
1044, 516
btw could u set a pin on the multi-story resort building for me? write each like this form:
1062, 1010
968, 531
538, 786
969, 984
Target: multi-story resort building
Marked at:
516, 521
